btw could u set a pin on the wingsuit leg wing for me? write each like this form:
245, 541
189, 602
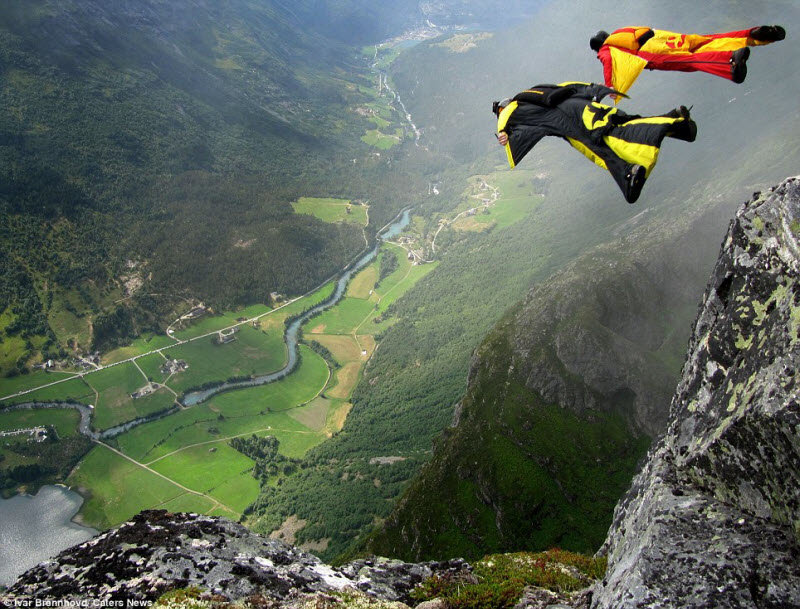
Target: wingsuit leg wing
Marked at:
630, 141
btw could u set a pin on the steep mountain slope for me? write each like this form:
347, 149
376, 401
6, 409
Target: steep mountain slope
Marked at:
563, 395
711, 520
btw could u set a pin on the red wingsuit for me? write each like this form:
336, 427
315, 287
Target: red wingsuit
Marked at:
627, 51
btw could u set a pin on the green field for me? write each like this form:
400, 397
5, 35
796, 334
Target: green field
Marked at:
116, 489
342, 318
143, 344
190, 447
380, 140
114, 403
229, 414
253, 352
363, 283
215, 469
74, 389
151, 366
393, 286
331, 210
12, 348
205, 325
65, 420
23, 382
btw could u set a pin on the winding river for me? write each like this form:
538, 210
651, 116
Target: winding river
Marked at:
193, 398
290, 337
35, 528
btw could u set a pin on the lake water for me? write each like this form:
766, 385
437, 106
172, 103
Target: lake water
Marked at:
33, 529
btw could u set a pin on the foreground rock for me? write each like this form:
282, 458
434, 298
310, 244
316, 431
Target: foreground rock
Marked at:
157, 551
713, 520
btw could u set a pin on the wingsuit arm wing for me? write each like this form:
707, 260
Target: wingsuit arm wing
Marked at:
625, 68
604, 55
521, 140
521, 136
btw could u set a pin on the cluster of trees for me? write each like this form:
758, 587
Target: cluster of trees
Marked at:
264, 451
338, 499
388, 265
53, 459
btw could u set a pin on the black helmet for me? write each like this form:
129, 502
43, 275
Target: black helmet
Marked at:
498, 106
597, 40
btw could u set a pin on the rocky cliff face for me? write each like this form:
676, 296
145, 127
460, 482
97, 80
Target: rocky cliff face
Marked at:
157, 551
713, 520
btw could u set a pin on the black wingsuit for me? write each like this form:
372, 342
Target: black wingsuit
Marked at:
616, 141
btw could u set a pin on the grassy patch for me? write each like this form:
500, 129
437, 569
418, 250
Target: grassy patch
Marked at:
380, 140
253, 352
344, 347
143, 344
65, 420
232, 413
114, 404
363, 283
151, 366
341, 319
331, 210
205, 325
23, 382
345, 379
461, 43
119, 489
213, 469
498, 580
313, 415
74, 389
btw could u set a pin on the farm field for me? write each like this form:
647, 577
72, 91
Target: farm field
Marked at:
65, 420
113, 403
332, 210
184, 460
228, 414
143, 344
513, 202
380, 140
115, 489
341, 319
23, 382
252, 352
213, 469
73, 389
392, 287
151, 365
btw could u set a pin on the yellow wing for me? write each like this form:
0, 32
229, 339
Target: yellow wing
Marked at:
626, 68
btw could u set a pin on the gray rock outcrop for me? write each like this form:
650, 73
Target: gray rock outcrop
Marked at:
713, 519
157, 551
